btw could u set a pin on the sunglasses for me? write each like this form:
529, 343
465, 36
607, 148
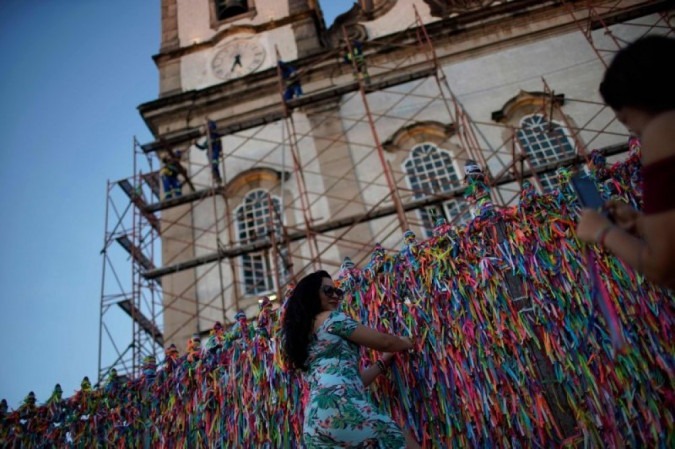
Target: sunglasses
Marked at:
329, 290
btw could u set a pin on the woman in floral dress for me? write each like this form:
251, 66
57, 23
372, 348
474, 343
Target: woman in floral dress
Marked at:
324, 344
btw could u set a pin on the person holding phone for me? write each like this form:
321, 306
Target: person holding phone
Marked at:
639, 86
324, 344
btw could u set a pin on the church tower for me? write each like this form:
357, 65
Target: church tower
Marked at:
218, 66
207, 42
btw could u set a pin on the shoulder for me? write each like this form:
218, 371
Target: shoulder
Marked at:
340, 323
320, 319
332, 316
659, 138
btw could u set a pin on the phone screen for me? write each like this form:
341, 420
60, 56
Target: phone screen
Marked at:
587, 191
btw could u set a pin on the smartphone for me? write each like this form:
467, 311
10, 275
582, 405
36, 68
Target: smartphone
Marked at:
587, 192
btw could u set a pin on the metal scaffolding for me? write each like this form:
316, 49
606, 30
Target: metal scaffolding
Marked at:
130, 238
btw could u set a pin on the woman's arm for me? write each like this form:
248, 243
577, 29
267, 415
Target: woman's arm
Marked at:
379, 341
653, 256
369, 374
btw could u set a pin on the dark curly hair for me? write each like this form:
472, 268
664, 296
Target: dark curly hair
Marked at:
641, 75
297, 324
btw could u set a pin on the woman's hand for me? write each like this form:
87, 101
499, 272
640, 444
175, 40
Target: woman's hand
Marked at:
591, 225
387, 357
409, 341
623, 215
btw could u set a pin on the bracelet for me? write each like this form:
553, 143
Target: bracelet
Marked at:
380, 365
600, 236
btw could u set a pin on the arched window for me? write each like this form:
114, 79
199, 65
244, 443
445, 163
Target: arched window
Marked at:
257, 216
226, 9
430, 171
545, 142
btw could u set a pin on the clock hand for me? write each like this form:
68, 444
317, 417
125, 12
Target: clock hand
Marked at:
237, 61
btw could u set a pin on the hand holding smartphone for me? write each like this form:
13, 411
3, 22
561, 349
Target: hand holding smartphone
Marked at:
588, 193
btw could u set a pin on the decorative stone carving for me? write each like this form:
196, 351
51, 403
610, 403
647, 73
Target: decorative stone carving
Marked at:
419, 132
355, 32
362, 11
445, 8
527, 102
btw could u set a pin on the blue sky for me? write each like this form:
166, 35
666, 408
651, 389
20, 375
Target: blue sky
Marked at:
73, 74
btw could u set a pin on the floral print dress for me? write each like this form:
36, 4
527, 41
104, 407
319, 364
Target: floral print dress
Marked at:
338, 413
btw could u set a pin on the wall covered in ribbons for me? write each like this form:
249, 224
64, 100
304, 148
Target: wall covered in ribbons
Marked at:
519, 343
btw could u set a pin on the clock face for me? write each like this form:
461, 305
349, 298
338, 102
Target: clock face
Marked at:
237, 58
